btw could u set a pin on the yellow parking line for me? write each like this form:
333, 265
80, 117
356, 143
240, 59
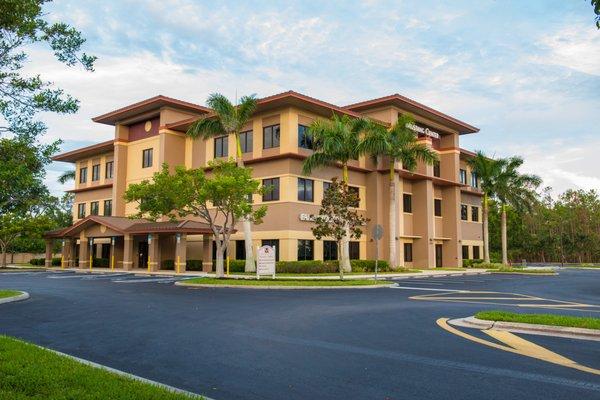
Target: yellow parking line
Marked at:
518, 345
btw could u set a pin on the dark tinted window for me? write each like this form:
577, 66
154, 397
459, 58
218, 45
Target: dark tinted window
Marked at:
305, 250
407, 202
436, 169
246, 141
81, 210
146, 158
271, 136
83, 175
437, 205
408, 256
272, 189
304, 140
463, 176
465, 252
330, 250
221, 146
476, 255
305, 189
108, 172
354, 250
108, 208
96, 172
94, 208
240, 250
272, 243
464, 212
474, 214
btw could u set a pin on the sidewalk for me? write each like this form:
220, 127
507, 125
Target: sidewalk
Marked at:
423, 274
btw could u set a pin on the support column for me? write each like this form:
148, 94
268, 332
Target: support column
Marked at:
180, 252
72, 258
423, 223
66, 254
84, 253
207, 253
48, 256
153, 253
452, 249
128, 252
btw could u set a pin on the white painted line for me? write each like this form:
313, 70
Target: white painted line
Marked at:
102, 276
429, 289
144, 280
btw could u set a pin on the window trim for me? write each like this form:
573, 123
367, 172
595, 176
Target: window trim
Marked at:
95, 172
272, 134
81, 209
224, 146
109, 201
311, 247
303, 183
272, 195
83, 175
244, 144
150, 158
97, 204
466, 215
107, 169
462, 176
475, 213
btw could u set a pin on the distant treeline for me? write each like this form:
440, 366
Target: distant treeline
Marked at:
566, 228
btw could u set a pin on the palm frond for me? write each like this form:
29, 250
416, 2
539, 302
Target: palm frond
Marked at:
66, 177
246, 108
317, 160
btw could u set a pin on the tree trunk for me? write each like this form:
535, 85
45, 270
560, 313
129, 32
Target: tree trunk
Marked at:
219, 270
3, 263
503, 233
246, 225
486, 240
345, 248
340, 257
393, 217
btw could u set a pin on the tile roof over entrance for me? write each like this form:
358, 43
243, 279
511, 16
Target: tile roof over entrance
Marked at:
126, 225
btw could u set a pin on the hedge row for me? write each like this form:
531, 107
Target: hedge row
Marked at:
472, 263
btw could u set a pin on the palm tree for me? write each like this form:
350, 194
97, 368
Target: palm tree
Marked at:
228, 119
66, 177
336, 142
398, 143
515, 190
487, 171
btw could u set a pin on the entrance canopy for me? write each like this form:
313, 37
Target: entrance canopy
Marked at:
95, 225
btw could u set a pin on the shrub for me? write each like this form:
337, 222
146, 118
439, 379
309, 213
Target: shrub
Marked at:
56, 261
492, 265
37, 261
167, 264
236, 265
472, 263
100, 263
305, 267
193, 265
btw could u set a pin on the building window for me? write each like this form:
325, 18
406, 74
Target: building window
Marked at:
146, 158
305, 250
436, 169
94, 208
462, 176
240, 250
465, 252
81, 210
221, 146
476, 255
330, 250
271, 189
326, 186
107, 208
354, 190
304, 139
83, 175
408, 256
246, 141
474, 214
108, 171
271, 136
464, 212
474, 180
305, 189
407, 202
437, 207
96, 172
272, 243
354, 250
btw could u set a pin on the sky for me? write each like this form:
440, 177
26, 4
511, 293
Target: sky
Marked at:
527, 73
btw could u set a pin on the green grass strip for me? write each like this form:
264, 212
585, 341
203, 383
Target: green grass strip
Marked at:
540, 319
508, 270
8, 293
284, 282
30, 372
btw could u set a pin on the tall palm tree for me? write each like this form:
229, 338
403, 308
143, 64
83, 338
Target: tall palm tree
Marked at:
228, 119
336, 142
398, 143
66, 176
516, 190
487, 171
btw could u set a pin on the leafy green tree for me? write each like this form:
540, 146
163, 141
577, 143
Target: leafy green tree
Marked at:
487, 171
337, 217
398, 143
219, 200
229, 119
23, 23
336, 141
596, 4
514, 189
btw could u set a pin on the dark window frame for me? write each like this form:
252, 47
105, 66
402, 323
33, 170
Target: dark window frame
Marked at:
407, 203
306, 250
408, 252
240, 249
95, 172
436, 169
147, 157
465, 249
437, 207
303, 193
330, 250
273, 132
245, 144
81, 210
464, 212
94, 207
476, 249
462, 176
109, 203
273, 194
474, 180
109, 170
221, 146
83, 175
354, 250
474, 213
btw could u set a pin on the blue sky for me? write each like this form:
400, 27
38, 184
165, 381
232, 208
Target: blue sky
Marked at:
526, 72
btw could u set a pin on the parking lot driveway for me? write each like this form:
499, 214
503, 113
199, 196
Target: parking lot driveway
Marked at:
274, 344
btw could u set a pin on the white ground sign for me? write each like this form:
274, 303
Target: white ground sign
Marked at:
265, 261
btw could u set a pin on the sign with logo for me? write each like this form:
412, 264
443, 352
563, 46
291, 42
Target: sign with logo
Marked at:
265, 261
306, 217
423, 131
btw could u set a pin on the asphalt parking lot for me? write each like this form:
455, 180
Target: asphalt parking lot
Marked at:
322, 344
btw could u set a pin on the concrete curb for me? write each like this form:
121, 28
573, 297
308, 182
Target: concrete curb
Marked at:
526, 273
125, 374
19, 297
279, 287
532, 329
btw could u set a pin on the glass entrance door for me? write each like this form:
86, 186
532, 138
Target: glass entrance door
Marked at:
143, 255
438, 256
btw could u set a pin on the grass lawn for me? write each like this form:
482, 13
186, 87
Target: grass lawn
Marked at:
284, 282
541, 319
29, 372
8, 293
